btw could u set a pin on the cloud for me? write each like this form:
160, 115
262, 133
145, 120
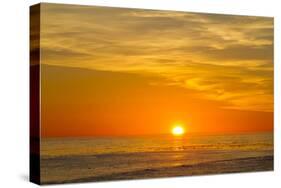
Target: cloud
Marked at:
233, 52
57, 54
226, 58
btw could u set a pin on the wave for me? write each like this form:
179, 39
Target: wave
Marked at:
247, 164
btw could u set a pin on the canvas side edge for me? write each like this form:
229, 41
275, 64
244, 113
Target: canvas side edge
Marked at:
34, 81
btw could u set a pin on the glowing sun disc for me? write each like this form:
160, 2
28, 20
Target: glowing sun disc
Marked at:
178, 130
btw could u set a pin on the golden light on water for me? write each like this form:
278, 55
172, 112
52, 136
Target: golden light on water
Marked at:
178, 130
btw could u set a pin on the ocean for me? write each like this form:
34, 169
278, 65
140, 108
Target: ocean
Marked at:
65, 160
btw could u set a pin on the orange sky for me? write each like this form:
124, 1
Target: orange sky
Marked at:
112, 71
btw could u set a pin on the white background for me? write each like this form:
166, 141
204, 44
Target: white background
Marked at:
14, 91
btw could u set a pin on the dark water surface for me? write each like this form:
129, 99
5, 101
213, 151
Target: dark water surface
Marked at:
114, 158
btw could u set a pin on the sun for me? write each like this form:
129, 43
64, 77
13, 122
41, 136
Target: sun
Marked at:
178, 130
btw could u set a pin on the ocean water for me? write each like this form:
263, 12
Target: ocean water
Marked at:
116, 158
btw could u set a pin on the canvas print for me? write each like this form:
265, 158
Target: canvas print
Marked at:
119, 94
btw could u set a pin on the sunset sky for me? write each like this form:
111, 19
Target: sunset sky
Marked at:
113, 71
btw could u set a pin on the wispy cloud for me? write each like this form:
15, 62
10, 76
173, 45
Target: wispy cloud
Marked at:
224, 58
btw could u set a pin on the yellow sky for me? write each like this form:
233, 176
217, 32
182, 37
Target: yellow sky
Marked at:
219, 58
230, 57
